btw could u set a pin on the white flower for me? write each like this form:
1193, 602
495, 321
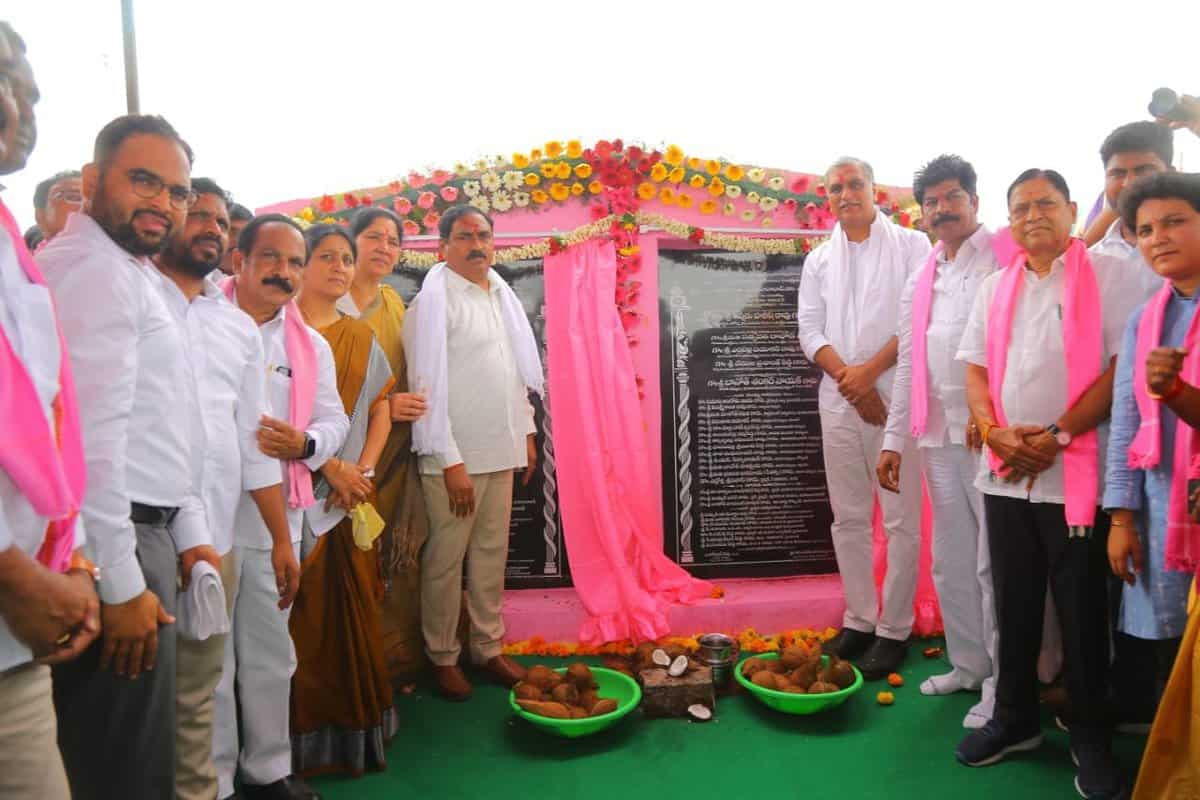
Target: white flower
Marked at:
520, 199
490, 181
748, 215
461, 168
470, 188
513, 179
752, 198
481, 164
768, 204
733, 190
502, 201
481, 203
767, 222
776, 182
729, 210
756, 174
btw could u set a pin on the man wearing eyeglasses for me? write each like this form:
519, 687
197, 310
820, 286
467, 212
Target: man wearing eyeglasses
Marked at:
144, 516
54, 200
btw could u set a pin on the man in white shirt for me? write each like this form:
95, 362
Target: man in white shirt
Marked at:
117, 726
55, 199
228, 374
1026, 506
948, 439
468, 487
48, 612
268, 264
847, 318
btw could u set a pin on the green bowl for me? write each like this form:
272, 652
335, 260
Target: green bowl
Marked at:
790, 703
612, 685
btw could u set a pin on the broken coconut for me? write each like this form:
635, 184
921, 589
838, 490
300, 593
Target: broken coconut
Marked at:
661, 658
700, 712
678, 667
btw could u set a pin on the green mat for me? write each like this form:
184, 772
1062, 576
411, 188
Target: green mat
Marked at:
859, 750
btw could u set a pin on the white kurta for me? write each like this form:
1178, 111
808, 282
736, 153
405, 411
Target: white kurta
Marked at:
848, 300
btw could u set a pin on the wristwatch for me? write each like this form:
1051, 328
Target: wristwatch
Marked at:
79, 562
310, 447
1062, 437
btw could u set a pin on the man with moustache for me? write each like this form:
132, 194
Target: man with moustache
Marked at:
468, 341
228, 372
55, 199
49, 610
847, 319
116, 704
929, 403
239, 215
1040, 346
305, 426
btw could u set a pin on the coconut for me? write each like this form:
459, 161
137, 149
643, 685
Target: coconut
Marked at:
752, 665
580, 674
700, 712
792, 688
773, 665
577, 712
542, 677
821, 687
605, 706
795, 656
588, 698
767, 680
661, 658
544, 709
565, 693
839, 672
678, 666
527, 691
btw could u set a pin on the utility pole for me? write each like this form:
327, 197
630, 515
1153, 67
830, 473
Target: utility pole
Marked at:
131, 73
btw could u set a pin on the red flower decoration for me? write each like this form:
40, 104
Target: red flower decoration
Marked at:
800, 185
431, 221
402, 205
395, 186
426, 200
598, 211
327, 204
696, 235
790, 204
411, 228
618, 144
350, 200
634, 152
440, 176
881, 196
629, 319
449, 194
416, 180
821, 190
556, 245
905, 219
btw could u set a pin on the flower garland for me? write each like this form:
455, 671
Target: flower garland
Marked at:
749, 641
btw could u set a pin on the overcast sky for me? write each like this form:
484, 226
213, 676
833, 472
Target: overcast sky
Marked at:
292, 99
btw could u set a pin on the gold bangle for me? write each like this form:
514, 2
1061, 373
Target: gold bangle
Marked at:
1115, 524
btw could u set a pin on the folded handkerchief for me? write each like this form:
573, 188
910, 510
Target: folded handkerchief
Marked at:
202, 606
367, 525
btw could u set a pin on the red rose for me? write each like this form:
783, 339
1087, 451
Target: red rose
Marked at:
790, 204
800, 185
696, 235
635, 152
881, 196
556, 245
821, 190
618, 144
598, 211
603, 148
905, 219
350, 200
588, 155
327, 204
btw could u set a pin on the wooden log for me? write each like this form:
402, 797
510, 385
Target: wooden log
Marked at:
664, 696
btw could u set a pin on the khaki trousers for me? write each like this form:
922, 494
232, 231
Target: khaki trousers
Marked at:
30, 764
197, 673
483, 538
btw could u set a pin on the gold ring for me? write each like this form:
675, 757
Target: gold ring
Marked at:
66, 637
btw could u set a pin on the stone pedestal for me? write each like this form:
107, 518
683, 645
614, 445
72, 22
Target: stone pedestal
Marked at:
664, 696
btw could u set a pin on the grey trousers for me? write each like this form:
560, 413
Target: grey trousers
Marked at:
117, 735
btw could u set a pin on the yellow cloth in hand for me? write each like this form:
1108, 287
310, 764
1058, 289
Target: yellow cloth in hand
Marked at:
367, 525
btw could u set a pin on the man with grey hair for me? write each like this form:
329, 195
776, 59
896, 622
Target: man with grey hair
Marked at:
848, 318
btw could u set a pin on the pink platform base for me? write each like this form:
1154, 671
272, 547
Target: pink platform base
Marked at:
769, 605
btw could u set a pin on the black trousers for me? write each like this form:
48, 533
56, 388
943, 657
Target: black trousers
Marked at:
1029, 545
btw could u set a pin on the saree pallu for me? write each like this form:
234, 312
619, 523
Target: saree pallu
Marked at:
342, 712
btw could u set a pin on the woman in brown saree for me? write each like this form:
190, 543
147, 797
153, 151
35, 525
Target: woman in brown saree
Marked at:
378, 235
342, 709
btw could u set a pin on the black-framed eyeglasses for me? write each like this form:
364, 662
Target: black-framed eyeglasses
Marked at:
148, 186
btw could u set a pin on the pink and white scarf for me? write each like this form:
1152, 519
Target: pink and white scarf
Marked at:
1084, 348
1145, 452
302, 360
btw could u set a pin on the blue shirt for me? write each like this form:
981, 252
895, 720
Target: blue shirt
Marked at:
1155, 607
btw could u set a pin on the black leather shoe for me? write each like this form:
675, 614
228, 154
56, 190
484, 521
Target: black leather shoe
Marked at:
849, 644
882, 658
292, 787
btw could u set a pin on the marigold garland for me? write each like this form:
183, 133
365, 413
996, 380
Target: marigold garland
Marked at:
749, 641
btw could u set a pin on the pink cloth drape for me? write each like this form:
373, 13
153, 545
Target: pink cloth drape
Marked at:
610, 516
927, 620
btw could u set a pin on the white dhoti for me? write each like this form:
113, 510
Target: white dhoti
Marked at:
851, 449
260, 654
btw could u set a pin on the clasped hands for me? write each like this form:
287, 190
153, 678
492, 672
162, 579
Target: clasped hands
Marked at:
1027, 451
856, 383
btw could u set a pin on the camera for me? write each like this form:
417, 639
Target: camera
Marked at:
1164, 104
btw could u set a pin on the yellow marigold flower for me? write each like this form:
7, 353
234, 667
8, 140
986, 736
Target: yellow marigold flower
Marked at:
307, 214
676, 175
595, 187
583, 171
694, 163
520, 160
674, 155
539, 196
535, 155
698, 182
666, 195
574, 148
646, 191
562, 170
559, 191
734, 173
684, 200
708, 207
532, 179
658, 173
632, 250
547, 169
712, 167
553, 149
577, 188
716, 187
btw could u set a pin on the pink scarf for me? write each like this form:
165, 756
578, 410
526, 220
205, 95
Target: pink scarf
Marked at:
47, 466
302, 358
1003, 248
1084, 348
1145, 452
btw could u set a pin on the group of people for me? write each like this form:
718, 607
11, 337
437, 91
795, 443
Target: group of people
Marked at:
236, 473
1046, 391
